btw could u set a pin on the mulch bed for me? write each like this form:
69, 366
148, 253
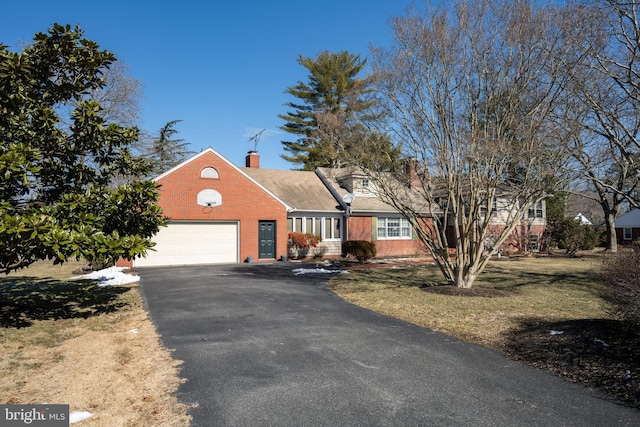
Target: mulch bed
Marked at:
597, 353
383, 263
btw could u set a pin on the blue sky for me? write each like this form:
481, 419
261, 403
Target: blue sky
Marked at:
221, 67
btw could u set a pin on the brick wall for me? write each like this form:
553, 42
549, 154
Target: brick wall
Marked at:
360, 228
635, 235
242, 200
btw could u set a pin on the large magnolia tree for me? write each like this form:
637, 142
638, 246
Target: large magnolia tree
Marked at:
57, 194
467, 91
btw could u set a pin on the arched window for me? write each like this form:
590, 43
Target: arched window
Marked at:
209, 172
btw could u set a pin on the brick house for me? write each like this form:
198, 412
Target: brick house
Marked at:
628, 227
218, 214
367, 217
221, 213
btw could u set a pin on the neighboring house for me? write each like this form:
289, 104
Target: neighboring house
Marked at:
628, 227
582, 219
221, 213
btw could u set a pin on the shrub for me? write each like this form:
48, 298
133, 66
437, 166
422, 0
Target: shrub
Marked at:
319, 252
621, 291
573, 236
299, 244
361, 249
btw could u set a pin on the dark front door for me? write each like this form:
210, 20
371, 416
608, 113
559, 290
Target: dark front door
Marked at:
267, 237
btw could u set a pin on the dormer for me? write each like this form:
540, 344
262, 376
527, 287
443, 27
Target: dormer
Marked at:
357, 184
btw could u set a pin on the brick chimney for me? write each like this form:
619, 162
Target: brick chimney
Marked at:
411, 172
253, 160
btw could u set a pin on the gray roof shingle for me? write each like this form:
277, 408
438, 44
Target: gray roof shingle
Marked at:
302, 190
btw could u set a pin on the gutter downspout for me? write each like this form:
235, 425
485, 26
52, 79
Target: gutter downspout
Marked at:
345, 207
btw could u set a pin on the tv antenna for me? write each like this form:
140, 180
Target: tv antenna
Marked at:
256, 138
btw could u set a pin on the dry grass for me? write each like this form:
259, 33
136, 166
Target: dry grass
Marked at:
523, 289
91, 347
513, 308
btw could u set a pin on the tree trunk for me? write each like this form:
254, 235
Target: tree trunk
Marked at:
466, 272
611, 244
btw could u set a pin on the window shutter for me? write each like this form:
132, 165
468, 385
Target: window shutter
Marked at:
374, 228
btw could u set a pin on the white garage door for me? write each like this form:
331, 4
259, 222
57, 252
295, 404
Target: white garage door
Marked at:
193, 243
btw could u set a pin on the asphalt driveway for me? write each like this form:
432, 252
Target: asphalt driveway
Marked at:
263, 347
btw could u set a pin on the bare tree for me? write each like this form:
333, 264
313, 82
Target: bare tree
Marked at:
468, 90
119, 96
599, 114
620, 63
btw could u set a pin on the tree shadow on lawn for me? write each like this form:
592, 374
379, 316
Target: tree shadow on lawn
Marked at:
598, 353
514, 281
24, 300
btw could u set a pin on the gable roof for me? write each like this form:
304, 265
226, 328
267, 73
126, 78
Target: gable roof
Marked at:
210, 150
630, 219
301, 190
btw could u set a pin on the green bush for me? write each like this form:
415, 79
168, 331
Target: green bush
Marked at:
362, 250
573, 236
621, 291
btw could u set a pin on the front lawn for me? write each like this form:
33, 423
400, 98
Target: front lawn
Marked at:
92, 347
544, 311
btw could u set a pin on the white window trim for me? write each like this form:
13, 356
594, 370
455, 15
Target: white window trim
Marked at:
404, 223
323, 231
209, 173
536, 207
534, 237
627, 233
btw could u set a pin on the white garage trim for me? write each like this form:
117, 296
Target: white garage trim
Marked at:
192, 242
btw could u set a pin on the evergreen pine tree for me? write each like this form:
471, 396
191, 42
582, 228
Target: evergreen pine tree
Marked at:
333, 88
165, 152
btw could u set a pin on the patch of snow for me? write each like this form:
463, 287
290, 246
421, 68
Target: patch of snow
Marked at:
77, 416
134, 330
604, 344
299, 271
111, 276
552, 332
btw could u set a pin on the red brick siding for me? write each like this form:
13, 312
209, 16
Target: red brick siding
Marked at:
242, 200
635, 235
519, 238
360, 228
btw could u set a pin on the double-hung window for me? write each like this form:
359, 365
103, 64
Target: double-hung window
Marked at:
394, 228
626, 233
536, 211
